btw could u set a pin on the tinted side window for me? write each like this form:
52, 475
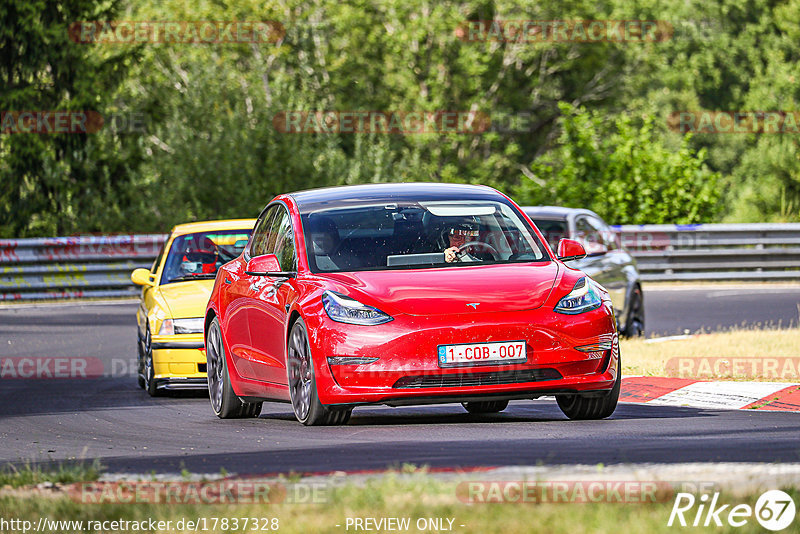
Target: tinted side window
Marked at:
284, 241
262, 234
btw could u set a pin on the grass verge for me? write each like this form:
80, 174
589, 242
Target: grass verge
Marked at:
752, 355
64, 473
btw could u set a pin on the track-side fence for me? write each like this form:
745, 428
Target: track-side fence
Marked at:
74, 267
669, 252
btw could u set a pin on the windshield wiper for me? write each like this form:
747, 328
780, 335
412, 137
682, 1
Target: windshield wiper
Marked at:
200, 276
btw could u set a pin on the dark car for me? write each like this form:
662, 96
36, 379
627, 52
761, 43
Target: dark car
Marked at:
606, 261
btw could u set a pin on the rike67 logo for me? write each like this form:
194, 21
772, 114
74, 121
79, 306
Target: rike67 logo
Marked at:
774, 510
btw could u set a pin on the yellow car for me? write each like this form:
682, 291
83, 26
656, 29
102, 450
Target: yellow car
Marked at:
175, 292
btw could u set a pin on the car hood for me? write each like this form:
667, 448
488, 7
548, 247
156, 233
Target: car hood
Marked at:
454, 290
187, 299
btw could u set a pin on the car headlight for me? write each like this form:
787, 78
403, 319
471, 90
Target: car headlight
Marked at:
585, 296
344, 309
171, 327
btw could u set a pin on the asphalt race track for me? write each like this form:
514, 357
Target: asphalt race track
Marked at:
112, 419
688, 309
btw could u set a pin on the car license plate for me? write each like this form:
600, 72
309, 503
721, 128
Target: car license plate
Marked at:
465, 354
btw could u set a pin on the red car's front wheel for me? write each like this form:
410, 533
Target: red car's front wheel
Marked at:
302, 383
580, 407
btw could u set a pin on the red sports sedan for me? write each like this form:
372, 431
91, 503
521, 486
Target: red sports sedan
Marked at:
405, 294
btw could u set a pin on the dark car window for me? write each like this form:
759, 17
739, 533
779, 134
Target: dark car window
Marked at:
274, 235
609, 236
396, 235
197, 256
553, 231
263, 232
284, 241
589, 234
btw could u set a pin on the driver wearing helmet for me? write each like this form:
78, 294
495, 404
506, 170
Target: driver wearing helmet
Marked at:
459, 235
200, 260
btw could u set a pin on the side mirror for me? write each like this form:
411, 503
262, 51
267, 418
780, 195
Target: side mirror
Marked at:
266, 265
569, 249
142, 277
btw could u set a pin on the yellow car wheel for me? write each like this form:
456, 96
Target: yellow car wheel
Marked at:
149, 367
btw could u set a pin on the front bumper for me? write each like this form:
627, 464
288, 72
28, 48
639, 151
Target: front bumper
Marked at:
179, 362
407, 369
179, 383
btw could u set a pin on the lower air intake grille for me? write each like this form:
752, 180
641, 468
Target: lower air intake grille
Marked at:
495, 378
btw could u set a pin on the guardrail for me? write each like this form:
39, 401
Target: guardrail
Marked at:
668, 252
74, 267
100, 266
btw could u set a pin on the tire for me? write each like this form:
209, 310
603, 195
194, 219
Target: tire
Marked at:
634, 323
485, 406
577, 407
140, 363
148, 368
224, 401
303, 385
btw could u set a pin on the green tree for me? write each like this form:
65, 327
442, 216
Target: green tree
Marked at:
55, 184
621, 171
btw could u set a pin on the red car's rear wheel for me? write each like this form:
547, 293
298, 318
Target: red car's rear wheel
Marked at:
225, 403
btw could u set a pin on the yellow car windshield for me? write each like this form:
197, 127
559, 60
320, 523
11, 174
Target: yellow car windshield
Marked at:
197, 256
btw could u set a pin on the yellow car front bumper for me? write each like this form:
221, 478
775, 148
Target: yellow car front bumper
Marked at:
179, 362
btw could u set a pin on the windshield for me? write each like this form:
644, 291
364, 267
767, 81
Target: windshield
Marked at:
417, 234
198, 256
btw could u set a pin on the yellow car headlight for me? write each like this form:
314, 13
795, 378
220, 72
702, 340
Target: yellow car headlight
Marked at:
170, 327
